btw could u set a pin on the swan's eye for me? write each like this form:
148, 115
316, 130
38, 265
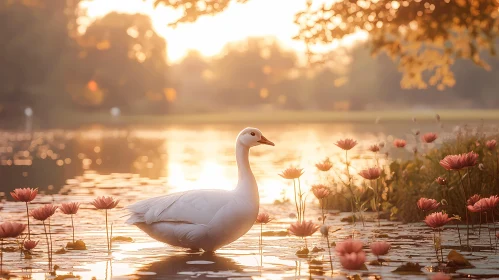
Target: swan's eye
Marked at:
252, 134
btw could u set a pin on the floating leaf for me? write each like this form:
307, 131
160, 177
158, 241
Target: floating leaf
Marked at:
77, 245
409, 268
316, 250
10, 249
122, 239
302, 252
61, 251
457, 260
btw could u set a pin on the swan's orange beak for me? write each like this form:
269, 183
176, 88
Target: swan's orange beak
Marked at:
266, 141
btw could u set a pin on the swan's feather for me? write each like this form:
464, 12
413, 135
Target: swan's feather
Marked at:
191, 207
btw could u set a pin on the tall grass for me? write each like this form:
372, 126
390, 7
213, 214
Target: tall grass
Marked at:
403, 182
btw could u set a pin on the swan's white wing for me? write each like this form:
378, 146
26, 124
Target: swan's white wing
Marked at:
194, 207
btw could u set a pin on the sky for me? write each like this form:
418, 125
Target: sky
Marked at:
211, 33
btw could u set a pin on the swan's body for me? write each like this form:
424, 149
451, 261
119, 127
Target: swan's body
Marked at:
205, 219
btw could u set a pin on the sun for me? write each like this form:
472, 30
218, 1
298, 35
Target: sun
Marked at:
209, 35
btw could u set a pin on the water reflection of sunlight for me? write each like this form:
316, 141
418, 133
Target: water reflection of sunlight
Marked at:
204, 159
213, 176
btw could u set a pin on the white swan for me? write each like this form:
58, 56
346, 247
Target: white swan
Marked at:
205, 219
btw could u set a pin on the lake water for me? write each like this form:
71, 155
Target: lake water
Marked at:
136, 163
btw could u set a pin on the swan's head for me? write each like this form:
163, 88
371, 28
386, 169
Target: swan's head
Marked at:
250, 137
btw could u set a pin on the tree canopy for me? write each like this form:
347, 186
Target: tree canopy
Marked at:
425, 37
34, 34
121, 59
194, 9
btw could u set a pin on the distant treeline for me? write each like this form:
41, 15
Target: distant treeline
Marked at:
49, 63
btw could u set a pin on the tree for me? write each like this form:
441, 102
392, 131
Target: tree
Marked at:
192, 77
193, 9
425, 37
253, 69
34, 36
122, 61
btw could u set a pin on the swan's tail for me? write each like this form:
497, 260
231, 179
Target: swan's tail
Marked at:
137, 211
135, 219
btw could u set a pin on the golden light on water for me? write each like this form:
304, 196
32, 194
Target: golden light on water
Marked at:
138, 163
211, 164
210, 34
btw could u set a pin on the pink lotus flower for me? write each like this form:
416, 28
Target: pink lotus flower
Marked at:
348, 246
320, 191
458, 162
70, 208
488, 203
44, 212
353, 261
441, 181
380, 248
24, 195
491, 144
370, 173
104, 202
399, 143
324, 165
477, 207
303, 229
427, 204
8, 229
429, 137
473, 199
263, 218
437, 220
292, 173
374, 148
30, 244
346, 144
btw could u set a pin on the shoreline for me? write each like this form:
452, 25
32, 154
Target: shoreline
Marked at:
71, 120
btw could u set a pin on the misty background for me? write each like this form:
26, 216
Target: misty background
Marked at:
48, 65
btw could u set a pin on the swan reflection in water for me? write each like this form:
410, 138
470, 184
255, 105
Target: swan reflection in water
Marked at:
184, 266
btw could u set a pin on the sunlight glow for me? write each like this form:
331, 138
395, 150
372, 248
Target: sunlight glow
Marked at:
211, 33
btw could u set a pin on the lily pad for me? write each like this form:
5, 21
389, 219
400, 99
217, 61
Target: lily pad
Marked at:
409, 268
77, 245
457, 260
480, 272
349, 219
122, 239
302, 252
10, 249
316, 250
61, 251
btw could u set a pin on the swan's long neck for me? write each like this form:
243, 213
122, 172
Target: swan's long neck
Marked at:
246, 180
